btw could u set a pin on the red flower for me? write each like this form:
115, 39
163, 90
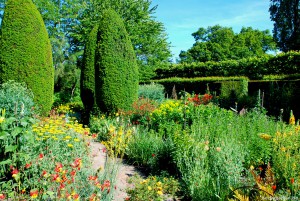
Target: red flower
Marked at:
73, 173
94, 136
274, 187
58, 167
2, 196
153, 155
93, 178
62, 186
44, 173
14, 172
77, 163
28, 165
41, 156
34, 194
93, 196
292, 180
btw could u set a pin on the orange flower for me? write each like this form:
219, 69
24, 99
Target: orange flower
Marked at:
292, 180
274, 187
93, 178
93, 197
58, 167
56, 178
34, 193
2, 196
77, 163
28, 165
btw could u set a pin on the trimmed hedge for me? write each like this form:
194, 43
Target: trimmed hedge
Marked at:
87, 78
200, 85
116, 72
25, 51
254, 68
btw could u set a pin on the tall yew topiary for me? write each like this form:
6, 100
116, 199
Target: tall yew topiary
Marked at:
87, 78
116, 72
25, 51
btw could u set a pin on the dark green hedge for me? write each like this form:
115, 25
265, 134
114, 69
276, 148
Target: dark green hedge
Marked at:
254, 68
25, 51
87, 78
203, 84
116, 71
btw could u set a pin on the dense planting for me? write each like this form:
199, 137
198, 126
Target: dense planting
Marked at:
215, 154
26, 51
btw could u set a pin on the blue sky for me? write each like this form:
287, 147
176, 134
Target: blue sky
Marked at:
183, 17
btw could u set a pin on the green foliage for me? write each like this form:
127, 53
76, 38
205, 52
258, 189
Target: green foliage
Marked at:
26, 51
146, 33
218, 43
16, 98
253, 68
153, 188
116, 69
285, 15
87, 78
152, 91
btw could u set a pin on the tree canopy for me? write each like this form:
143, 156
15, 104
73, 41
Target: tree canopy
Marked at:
286, 17
217, 43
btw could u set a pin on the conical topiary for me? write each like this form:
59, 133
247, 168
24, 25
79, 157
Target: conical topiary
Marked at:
25, 51
116, 72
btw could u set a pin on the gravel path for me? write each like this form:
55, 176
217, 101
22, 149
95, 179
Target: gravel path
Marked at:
125, 171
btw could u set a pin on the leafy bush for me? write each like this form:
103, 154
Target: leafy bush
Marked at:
16, 98
152, 91
26, 54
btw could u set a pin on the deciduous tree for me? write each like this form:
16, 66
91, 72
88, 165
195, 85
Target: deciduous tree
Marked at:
286, 17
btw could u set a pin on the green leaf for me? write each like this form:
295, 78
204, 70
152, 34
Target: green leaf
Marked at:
16, 131
10, 148
8, 161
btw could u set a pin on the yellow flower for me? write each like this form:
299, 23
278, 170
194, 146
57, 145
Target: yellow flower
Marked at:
265, 136
159, 183
76, 140
1, 119
159, 192
292, 118
70, 145
149, 188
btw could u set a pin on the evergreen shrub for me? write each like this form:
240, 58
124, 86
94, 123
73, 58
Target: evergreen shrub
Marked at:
87, 78
116, 72
26, 54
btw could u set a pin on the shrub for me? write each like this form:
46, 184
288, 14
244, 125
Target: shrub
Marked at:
116, 69
15, 97
26, 51
152, 91
87, 78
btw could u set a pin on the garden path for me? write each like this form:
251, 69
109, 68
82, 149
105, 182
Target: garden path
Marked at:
124, 173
